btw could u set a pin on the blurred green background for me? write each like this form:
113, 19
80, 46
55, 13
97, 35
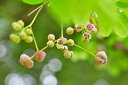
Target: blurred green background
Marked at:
56, 70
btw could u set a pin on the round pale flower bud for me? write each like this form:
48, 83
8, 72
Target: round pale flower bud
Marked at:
50, 43
68, 54
16, 26
15, 38
78, 28
51, 37
65, 48
21, 23
26, 61
64, 40
60, 41
69, 30
39, 56
70, 42
94, 30
29, 39
28, 31
22, 35
101, 58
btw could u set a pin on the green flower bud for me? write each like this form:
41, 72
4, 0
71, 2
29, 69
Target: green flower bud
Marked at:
21, 23
22, 35
28, 39
50, 43
16, 26
15, 38
28, 31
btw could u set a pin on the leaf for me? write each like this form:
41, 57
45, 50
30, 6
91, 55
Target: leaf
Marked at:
78, 11
122, 4
33, 2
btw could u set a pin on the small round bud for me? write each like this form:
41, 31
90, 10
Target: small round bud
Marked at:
28, 31
65, 48
22, 35
28, 39
39, 56
50, 43
51, 37
64, 40
16, 26
70, 42
69, 30
59, 46
90, 26
15, 38
78, 28
94, 30
68, 54
26, 61
21, 23
60, 41
101, 58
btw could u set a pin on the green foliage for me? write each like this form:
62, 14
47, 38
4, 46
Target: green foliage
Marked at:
78, 11
33, 2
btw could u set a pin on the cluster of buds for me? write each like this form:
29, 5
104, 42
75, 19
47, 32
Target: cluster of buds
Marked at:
21, 33
85, 29
62, 44
27, 61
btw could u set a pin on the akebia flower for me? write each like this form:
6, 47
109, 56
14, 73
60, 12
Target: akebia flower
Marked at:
26, 61
86, 37
78, 28
39, 56
91, 27
101, 58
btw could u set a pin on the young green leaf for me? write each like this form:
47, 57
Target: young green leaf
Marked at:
33, 2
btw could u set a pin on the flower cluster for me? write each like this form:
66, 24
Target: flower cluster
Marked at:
62, 44
86, 30
22, 33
